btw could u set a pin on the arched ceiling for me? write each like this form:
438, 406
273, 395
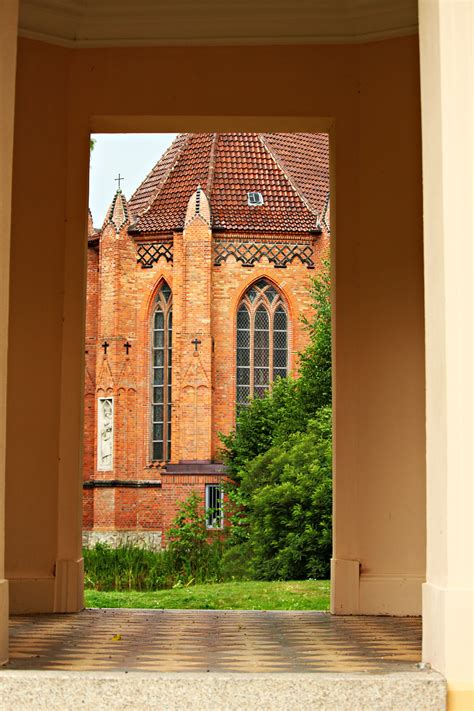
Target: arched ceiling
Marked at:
105, 23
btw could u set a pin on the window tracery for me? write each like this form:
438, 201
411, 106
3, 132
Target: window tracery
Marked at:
262, 340
162, 327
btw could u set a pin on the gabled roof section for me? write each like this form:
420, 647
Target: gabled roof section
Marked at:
305, 159
149, 188
159, 204
228, 166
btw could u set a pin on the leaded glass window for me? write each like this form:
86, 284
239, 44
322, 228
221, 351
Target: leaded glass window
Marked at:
162, 326
262, 340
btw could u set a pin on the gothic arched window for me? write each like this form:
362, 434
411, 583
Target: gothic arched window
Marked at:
161, 378
262, 340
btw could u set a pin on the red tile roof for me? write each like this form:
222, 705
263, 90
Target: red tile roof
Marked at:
291, 171
305, 158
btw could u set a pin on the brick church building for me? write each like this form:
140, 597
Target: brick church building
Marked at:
195, 290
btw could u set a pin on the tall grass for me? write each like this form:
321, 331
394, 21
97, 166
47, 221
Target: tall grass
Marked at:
130, 567
188, 558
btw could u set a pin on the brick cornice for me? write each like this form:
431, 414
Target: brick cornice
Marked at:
120, 484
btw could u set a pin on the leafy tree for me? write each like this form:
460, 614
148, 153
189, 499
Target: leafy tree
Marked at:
279, 458
315, 363
188, 548
291, 402
257, 425
289, 503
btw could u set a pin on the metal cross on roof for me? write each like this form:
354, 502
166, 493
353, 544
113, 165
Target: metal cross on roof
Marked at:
119, 180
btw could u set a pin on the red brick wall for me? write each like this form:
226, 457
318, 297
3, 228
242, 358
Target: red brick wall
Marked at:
205, 299
229, 282
177, 488
87, 509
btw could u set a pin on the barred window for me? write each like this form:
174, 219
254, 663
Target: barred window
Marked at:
262, 340
162, 324
214, 508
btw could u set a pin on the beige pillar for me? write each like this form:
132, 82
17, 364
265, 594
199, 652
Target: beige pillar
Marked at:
378, 565
446, 33
8, 41
69, 567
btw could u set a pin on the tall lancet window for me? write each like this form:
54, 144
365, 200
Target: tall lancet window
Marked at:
162, 325
262, 340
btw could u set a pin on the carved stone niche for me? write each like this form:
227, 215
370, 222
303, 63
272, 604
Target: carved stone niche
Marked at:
105, 434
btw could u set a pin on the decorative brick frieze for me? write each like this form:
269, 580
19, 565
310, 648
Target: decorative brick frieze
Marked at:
280, 254
149, 252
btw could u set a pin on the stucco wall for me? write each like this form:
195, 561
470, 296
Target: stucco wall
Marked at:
367, 96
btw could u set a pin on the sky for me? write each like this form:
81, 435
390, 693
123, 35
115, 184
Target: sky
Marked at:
132, 155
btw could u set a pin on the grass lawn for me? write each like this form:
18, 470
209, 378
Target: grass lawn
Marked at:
288, 595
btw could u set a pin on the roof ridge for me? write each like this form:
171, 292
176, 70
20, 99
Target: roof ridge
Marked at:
278, 160
228, 164
325, 212
212, 165
166, 175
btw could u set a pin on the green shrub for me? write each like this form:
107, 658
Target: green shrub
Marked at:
259, 423
315, 361
191, 556
288, 490
237, 563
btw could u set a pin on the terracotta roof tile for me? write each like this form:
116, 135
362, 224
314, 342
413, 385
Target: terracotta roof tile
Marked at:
305, 158
145, 193
228, 166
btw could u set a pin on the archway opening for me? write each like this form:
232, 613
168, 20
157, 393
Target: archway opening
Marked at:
208, 329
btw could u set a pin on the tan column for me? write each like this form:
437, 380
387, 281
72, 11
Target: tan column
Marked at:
8, 41
69, 569
446, 33
378, 564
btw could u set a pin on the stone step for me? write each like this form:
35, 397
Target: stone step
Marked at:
114, 691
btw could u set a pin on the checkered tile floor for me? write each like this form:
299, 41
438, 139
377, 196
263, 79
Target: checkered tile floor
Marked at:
216, 641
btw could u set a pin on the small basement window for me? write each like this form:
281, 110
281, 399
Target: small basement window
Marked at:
214, 501
255, 198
